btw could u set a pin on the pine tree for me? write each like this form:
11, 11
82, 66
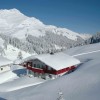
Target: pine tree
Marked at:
2, 51
19, 55
5, 45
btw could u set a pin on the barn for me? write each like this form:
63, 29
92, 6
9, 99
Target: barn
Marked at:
4, 64
50, 65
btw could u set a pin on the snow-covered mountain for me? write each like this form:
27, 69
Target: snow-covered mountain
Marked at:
31, 35
15, 23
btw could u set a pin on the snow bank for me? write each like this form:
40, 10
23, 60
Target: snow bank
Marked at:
5, 61
7, 76
19, 83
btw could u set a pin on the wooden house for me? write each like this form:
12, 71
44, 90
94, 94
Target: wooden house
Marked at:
50, 65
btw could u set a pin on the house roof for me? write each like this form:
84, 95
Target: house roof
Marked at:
57, 61
4, 61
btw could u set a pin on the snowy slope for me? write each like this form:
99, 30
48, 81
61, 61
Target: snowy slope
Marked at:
82, 84
7, 76
12, 53
83, 49
16, 79
20, 83
13, 22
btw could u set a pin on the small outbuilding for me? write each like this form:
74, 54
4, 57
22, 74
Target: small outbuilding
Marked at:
4, 64
50, 65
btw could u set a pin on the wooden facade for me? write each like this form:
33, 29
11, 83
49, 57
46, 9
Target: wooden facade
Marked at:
41, 68
50, 65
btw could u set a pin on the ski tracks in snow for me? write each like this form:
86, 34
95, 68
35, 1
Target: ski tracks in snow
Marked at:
86, 53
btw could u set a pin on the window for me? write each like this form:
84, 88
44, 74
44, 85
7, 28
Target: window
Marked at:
34, 65
38, 65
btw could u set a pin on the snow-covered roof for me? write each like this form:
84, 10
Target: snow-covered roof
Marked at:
57, 61
4, 61
17, 61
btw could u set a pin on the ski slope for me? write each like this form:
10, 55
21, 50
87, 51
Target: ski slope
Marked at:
82, 84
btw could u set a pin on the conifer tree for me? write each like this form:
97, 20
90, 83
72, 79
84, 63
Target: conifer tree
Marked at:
19, 55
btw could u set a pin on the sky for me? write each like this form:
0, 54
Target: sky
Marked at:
82, 16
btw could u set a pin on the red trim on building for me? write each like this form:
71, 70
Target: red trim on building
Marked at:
28, 65
36, 70
62, 71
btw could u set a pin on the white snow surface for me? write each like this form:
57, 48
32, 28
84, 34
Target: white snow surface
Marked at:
5, 61
86, 36
12, 53
16, 78
83, 49
20, 83
7, 76
82, 84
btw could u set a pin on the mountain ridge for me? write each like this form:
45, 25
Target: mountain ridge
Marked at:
31, 35
9, 16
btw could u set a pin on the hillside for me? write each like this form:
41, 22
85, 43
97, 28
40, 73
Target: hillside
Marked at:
82, 84
33, 36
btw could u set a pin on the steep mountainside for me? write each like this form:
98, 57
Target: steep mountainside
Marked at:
31, 35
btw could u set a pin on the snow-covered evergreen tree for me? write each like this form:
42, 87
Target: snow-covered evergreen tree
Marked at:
2, 52
20, 55
5, 45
